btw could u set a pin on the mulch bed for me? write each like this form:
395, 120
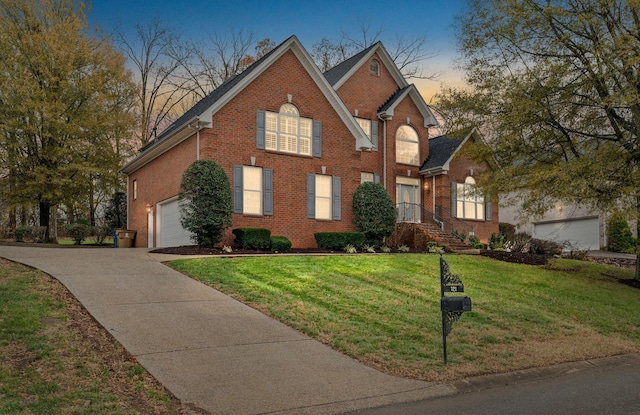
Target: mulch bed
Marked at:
517, 257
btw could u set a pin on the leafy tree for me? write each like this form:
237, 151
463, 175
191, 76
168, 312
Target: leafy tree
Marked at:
115, 216
63, 105
555, 86
374, 212
205, 202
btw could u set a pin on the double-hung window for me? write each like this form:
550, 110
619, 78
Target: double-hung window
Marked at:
323, 197
286, 131
370, 128
369, 177
252, 190
467, 202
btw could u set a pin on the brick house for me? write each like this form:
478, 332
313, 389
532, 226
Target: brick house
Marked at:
448, 188
295, 144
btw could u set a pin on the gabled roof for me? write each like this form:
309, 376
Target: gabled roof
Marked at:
386, 112
335, 74
199, 115
340, 73
442, 149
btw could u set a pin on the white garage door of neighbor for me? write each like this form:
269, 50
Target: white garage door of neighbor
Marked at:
581, 233
171, 232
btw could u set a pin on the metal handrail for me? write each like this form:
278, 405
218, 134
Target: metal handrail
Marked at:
424, 216
457, 224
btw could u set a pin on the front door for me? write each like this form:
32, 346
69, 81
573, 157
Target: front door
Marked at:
408, 199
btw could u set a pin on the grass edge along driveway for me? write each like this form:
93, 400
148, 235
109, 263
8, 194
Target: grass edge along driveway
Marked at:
384, 310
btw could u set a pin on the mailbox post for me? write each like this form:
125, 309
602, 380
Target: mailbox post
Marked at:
452, 307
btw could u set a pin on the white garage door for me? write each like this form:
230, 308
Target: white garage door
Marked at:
581, 233
170, 230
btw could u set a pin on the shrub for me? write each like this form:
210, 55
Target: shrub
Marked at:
39, 234
369, 248
434, 248
507, 230
252, 238
101, 233
115, 214
350, 249
496, 242
78, 231
460, 235
373, 212
519, 242
403, 248
338, 240
280, 244
474, 241
544, 247
23, 232
619, 235
205, 202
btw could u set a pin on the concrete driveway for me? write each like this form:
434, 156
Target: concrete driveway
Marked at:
209, 350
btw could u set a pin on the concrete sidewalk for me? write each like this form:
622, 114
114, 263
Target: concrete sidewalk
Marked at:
210, 350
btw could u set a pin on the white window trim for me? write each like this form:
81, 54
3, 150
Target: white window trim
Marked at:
247, 192
467, 199
319, 179
365, 124
404, 140
280, 134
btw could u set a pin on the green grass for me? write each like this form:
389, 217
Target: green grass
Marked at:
54, 359
385, 310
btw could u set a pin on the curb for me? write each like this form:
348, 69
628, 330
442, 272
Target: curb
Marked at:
536, 374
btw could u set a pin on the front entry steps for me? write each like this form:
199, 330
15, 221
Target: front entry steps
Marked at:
418, 235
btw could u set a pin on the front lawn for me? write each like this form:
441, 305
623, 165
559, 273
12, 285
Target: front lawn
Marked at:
55, 359
384, 310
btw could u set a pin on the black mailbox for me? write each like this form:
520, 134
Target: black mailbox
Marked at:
455, 304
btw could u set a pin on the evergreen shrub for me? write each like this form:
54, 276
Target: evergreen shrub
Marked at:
252, 238
338, 240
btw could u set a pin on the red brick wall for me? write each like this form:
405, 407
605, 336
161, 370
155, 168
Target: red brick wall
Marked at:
368, 93
231, 141
460, 169
158, 181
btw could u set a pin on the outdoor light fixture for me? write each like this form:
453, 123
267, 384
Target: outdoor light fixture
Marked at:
149, 207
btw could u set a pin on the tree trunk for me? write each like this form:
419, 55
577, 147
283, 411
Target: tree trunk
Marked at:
45, 213
637, 275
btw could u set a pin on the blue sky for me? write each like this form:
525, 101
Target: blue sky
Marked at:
310, 21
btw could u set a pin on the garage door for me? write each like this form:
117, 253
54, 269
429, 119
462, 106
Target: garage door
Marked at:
170, 230
581, 233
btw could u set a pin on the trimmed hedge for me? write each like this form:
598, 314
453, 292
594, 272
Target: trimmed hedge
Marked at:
338, 240
252, 238
280, 244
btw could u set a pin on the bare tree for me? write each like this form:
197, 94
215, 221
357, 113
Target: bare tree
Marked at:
158, 56
408, 53
220, 58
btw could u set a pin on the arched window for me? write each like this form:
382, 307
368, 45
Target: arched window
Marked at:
287, 131
374, 67
407, 146
469, 202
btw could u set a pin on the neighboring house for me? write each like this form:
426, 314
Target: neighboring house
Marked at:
581, 227
449, 186
295, 144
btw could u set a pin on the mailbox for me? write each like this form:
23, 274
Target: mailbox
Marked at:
455, 304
